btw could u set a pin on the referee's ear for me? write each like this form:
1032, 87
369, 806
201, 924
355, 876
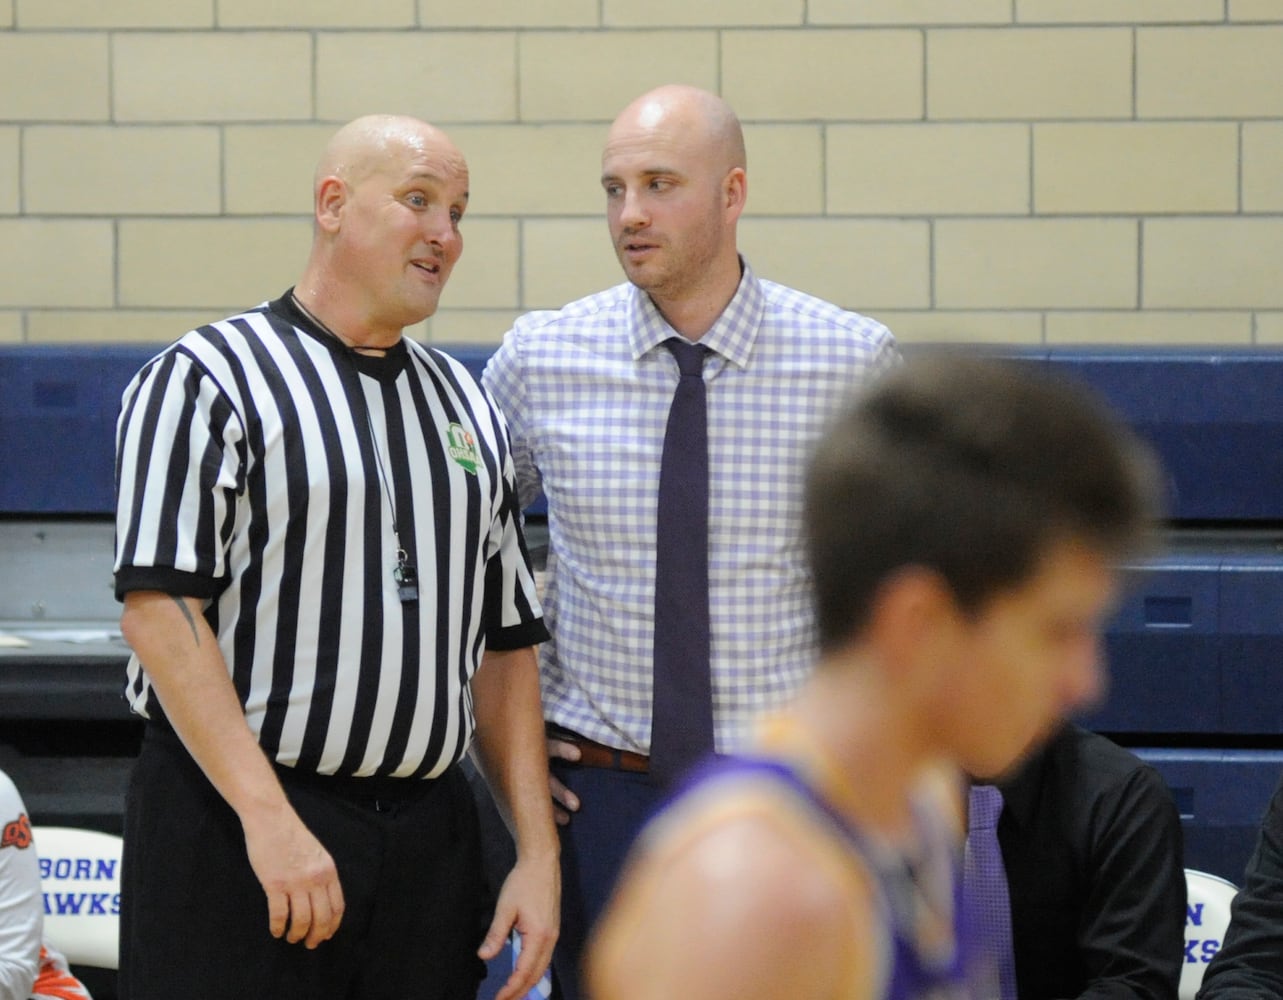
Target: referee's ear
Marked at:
331, 196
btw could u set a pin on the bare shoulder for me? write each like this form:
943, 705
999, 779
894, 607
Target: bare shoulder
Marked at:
745, 897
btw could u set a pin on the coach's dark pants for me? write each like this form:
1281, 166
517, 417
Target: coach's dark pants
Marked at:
614, 806
194, 917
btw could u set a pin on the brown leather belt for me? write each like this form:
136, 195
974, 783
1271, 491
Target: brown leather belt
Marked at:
594, 754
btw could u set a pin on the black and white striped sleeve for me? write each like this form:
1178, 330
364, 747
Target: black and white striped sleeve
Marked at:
179, 466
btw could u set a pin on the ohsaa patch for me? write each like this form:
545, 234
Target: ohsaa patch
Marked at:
463, 449
17, 834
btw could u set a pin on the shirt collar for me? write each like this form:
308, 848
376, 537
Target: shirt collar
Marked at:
732, 335
386, 367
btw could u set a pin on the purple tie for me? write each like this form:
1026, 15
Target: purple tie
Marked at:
985, 879
682, 713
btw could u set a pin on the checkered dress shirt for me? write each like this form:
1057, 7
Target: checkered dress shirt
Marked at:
586, 391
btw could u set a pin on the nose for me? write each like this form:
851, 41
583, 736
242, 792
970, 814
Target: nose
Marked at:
633, 213
439, 227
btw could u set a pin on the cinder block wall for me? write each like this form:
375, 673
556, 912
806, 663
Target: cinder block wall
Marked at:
1021, 171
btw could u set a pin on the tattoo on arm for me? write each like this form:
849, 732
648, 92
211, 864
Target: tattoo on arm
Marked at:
187, 613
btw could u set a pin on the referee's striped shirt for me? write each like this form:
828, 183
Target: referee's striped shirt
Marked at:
261, 465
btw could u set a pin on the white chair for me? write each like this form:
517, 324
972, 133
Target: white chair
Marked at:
80, 876
1207, 916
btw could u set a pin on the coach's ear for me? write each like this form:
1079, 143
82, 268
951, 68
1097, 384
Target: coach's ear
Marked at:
735, 193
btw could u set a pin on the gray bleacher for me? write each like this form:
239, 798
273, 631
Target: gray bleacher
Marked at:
1193, 651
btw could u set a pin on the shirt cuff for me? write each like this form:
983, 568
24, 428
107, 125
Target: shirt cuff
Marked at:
177, 582
529, 633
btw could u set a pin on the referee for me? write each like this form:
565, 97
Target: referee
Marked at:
326, 591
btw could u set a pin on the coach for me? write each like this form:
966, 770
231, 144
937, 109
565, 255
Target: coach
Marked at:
325, 589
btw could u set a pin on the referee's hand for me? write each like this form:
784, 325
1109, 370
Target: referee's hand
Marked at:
529, 903
304, 898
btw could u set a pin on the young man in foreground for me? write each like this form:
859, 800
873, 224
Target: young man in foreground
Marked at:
963, 523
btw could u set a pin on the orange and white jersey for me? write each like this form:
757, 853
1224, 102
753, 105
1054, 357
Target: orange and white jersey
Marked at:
54, 981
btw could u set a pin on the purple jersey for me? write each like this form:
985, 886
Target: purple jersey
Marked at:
923, 960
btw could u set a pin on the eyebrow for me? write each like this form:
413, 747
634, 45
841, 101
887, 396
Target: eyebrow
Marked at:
435, 178
659, 171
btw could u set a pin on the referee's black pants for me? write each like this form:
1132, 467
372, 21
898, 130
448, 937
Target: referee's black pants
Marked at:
194, 917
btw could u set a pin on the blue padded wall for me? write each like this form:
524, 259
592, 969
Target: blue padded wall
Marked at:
1213, 416
1194, 649
1162, 651
1251, 641
58, 409
1196, 644
1221, 795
